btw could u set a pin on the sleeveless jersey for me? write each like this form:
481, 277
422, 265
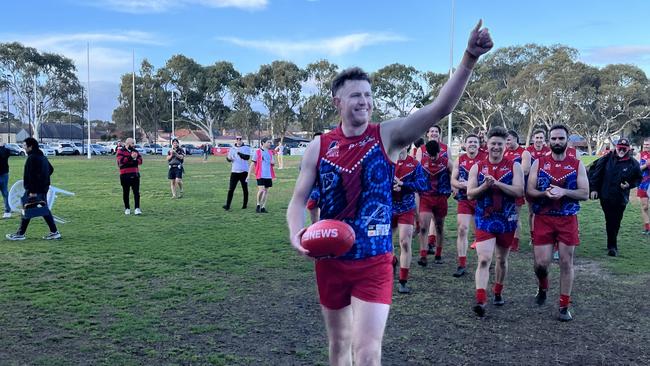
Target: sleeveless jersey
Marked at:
563, 174
644, 157
496, 211
465, 163
443, 150
410, 172
438, 174
572, 152
514, 155
355, 178
535, 154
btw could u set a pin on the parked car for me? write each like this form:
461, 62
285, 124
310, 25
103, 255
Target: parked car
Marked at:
155, 149
191, 149
47, 149
141, 149
15, 150
63, 149
95, 149
113, 146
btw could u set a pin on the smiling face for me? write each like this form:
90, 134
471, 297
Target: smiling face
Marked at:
471, 145
646, 145
539, 140
511, 142
433, 134
496, 147
354, 102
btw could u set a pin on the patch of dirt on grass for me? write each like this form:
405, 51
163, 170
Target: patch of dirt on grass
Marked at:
272, 317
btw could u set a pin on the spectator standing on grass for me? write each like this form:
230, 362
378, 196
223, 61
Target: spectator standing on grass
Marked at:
238, 156
36, 180
610, 179
279, 152
129, 160
206, 152
175, 159
4, 179
354, 166
262, 165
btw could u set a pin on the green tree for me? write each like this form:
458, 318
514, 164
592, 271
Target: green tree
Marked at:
397, 89
318, 112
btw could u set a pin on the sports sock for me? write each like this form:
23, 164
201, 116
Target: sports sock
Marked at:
438, 251
647, 227
403, 274
498, 288
423, 253
481, 296
462, 262
565, 300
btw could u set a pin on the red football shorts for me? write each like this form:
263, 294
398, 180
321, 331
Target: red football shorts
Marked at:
434, 204
503, 240
641, 193
406, 218
466, 207
555, 229
369, 279
520, 201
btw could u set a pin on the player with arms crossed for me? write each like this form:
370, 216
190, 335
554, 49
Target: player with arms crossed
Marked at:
354, 166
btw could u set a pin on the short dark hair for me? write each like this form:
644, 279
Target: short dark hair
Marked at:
175, 140
264, 140
514, 134
352, 73
539, 130
31, 142
433, 148
559, 127
472, 135
497, 131
419, 142
436, 127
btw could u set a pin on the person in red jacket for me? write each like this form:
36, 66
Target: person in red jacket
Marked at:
128, 160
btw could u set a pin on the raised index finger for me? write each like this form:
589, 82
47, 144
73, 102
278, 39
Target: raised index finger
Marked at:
478, 25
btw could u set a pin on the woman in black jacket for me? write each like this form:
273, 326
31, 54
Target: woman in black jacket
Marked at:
610, 179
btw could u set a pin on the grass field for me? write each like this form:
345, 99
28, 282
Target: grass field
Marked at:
188, 283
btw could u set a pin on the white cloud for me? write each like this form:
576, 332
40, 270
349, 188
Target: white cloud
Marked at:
160, 6
335, 46
618, 54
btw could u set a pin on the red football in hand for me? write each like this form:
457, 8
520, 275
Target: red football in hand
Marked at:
327, 238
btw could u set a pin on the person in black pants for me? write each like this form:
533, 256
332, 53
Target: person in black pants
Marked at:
128, 160
36, 180
610, 179
4, 179
238, 156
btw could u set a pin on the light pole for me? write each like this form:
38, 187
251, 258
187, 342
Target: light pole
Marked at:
173, 133
7, 76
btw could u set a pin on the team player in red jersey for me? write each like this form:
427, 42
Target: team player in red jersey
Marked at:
556, 183
466, 207
642, 190
482, 148
409, 178
536, 150
494, 183
433, 201
433, 134
517, 153
354, 167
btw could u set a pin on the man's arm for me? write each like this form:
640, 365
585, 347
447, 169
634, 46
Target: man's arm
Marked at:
398, 133
455, 172
580, 194
516, 189
532, 190
525, 162
474, 191
304, 184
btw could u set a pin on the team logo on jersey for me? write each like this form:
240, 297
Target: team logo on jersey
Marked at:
568, 167
362, 143
547, 166
333, 150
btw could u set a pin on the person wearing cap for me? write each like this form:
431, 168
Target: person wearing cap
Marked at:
610, 179
238, 156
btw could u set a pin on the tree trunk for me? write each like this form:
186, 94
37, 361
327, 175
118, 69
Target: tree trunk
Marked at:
529, 133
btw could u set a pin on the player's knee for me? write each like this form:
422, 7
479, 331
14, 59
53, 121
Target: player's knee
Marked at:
644, 205
541, 271
405, 245
367, 352
484, 262
462, 229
